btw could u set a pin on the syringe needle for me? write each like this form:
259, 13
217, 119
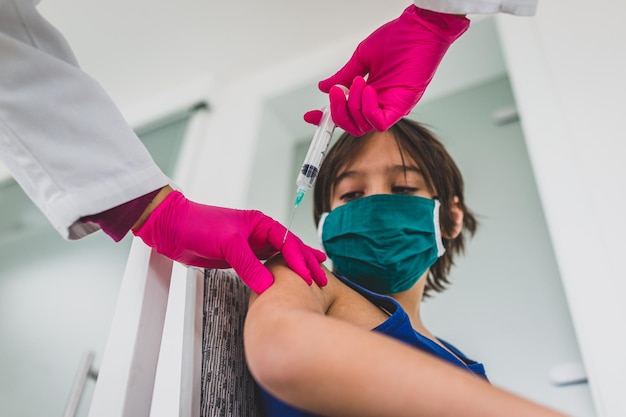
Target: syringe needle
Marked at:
293, 213
299, 197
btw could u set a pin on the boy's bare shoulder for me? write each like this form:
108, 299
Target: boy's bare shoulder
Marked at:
289, 283
336, 299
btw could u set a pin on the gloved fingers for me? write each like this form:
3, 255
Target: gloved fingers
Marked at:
355, 106
319, 276
296, 259
380, 119
263, 237
313, 117
294, 251
304, 260
319, 255
248, 267
209, 263
353, 68
340, 113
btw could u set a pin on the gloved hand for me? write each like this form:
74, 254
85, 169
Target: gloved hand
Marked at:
215, 237
399, 59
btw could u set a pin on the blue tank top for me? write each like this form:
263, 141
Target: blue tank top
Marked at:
397, 326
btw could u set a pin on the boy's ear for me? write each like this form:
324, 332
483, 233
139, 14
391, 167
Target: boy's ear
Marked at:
457, 216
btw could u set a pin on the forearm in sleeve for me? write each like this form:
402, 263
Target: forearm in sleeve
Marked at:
117, 221
61, 136
516, 7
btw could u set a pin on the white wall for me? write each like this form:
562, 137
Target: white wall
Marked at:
567, 67
56, 302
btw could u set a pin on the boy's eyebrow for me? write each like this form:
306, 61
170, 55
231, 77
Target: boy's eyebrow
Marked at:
344, 175
393, 169
404, 168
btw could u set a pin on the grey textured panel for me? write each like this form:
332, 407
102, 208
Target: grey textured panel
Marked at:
227, 387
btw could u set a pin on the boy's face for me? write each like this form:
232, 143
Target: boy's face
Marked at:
379, 169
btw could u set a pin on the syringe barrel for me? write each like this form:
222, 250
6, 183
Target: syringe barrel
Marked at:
317, 151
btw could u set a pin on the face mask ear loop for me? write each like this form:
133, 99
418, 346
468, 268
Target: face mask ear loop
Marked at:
440, 248
320, 228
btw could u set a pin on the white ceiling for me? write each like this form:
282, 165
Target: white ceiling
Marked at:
133, 47
130, 46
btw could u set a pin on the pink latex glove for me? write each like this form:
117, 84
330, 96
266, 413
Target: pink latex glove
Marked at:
215, 237
399, 59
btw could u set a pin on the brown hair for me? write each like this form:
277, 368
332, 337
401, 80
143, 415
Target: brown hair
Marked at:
440, 173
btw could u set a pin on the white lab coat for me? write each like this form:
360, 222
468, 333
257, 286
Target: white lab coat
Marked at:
61, 136
64, 140
516, 7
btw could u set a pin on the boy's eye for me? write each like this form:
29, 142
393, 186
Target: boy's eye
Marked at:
352, 195
403, 190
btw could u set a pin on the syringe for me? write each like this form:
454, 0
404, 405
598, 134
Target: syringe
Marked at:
315, 155
314, 158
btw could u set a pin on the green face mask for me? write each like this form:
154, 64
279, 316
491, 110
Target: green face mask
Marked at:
384, 242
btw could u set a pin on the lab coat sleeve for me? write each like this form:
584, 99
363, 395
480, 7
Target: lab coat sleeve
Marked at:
516, 7
61, 136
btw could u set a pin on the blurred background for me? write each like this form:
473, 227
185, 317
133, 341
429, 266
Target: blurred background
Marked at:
506, 306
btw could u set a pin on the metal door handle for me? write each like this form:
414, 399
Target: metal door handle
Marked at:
85, 371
